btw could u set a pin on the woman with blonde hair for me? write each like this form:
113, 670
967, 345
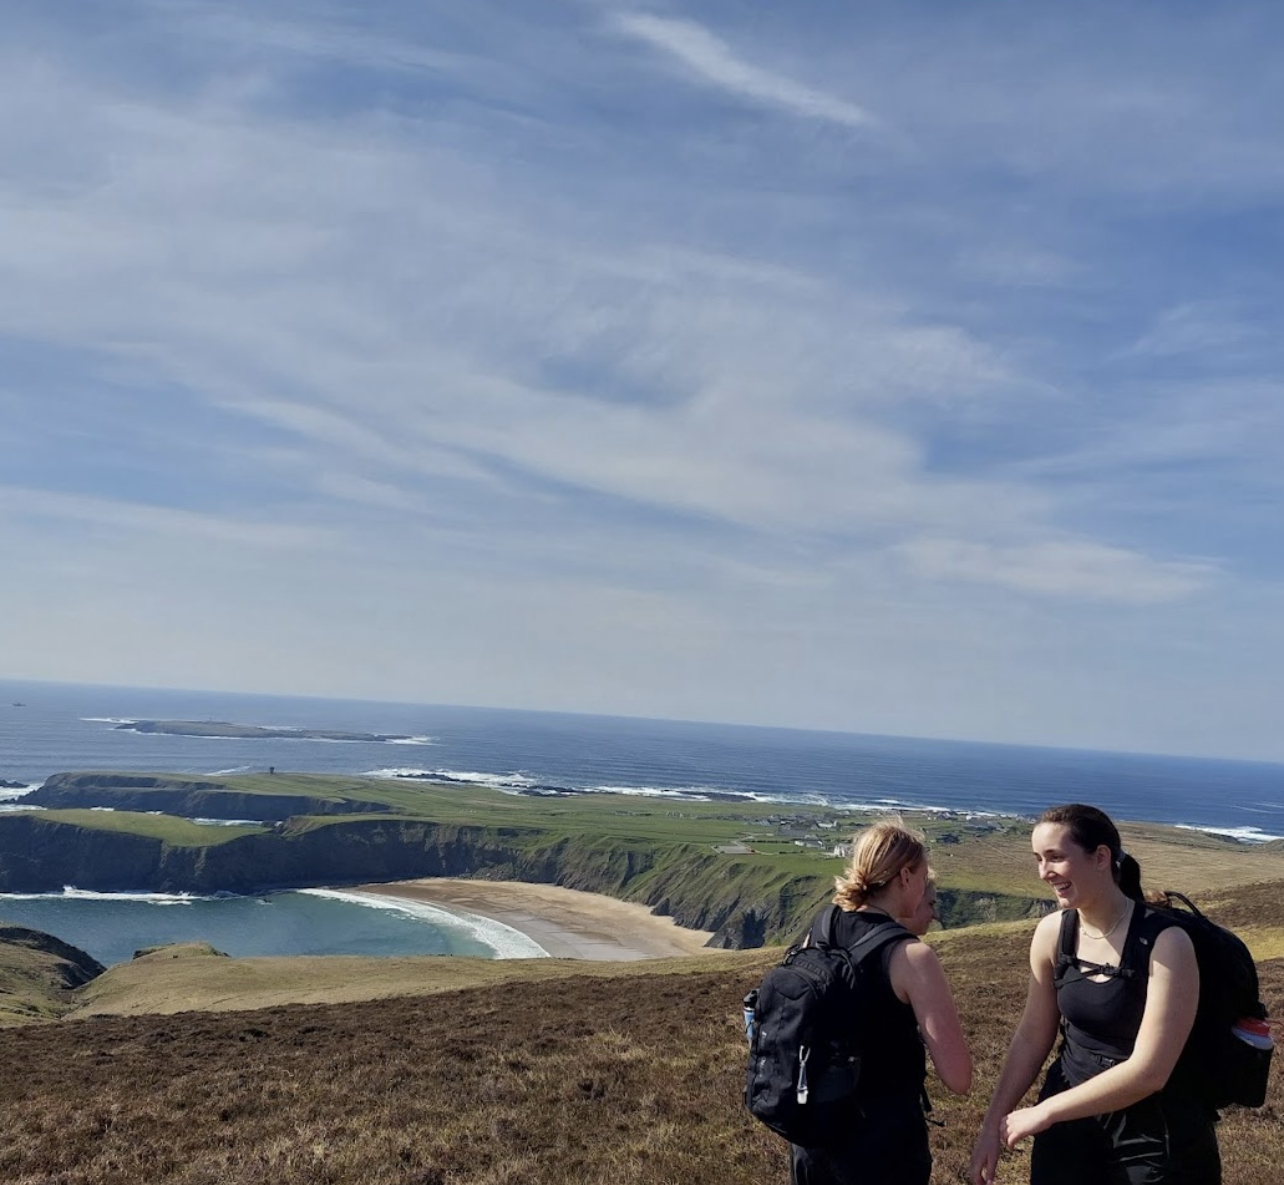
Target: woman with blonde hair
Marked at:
886, 1141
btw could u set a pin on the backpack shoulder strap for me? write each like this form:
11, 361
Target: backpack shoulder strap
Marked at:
1067, 955
876, 939
824, 933
1069, 937
828, 923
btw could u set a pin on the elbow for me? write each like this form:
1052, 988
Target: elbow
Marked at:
957, 1078
1151, 1079
961, 1084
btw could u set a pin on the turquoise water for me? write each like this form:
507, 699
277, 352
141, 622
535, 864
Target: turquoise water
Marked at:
112, 926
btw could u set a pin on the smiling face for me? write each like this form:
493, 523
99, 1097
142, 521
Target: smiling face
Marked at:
1075, 876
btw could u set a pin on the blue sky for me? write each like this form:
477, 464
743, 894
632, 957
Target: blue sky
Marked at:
906, 368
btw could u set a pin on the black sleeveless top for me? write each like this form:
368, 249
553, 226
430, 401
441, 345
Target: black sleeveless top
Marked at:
1100, 1019
894, 1059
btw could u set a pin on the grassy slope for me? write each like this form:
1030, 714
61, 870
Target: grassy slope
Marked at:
634, 1075
162, 984
168, 828
38, 977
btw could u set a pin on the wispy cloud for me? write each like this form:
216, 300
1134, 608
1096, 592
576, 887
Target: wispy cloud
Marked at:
1070, 569
714, 62
566, 360
150, 519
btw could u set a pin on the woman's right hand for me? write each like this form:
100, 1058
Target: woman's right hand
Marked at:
985, 1155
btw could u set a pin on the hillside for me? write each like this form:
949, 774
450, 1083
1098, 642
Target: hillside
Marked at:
39, 975
633, 1075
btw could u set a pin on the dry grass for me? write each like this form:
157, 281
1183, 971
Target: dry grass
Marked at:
628, 1075
160, 984
1194, 862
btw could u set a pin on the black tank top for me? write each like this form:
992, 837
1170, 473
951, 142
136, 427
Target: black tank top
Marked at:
895, 1061
1101, 1018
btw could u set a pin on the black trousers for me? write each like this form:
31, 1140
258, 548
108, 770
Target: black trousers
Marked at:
1162, 1140
887, 1145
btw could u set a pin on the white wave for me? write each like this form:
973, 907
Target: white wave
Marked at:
467, 777
505, 941
412, 741
10, 795
525, 784
1243, 834
691, 793
108, 720
223, 773
20, 806
71, 893
228, 822
112, 809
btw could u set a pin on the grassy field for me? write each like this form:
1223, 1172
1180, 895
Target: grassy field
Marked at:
168, 828
628, 1074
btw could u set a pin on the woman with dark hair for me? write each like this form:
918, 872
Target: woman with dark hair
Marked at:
1121, 983
886, 1142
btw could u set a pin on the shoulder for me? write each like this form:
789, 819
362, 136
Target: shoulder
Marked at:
913, 952
1047, 937
1170, 944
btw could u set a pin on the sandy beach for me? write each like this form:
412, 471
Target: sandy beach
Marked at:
567, 923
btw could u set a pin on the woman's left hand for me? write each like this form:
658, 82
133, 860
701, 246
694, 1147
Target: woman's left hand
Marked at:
1028, 1121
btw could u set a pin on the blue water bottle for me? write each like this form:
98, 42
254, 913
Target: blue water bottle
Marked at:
751, 1003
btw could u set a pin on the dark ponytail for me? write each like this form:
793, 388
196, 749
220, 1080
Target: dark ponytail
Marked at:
1128, 877
1091, 829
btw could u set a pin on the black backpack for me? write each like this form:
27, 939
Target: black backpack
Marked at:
1223, 1067
803, 1079
1217, 1066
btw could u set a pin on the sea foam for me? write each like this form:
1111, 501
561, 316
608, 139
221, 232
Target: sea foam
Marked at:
1243, 834
71, 893
505, 941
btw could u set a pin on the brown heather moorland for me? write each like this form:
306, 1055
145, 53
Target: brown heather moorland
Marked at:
631, 1077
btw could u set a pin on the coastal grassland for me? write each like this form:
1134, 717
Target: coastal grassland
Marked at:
39, 975
168, 829
633, 1074
172, 980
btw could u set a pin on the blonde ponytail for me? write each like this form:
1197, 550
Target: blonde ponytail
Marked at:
878, 855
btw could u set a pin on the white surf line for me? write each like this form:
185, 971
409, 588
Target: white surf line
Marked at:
506, 941
71, 893
1243, 834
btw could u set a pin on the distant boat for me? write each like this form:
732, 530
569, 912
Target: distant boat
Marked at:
16, 704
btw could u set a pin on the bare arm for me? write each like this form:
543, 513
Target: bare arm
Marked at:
1172, 996
1035, 1033
917, 978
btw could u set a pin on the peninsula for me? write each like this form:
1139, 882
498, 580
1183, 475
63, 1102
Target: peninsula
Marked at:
749, 874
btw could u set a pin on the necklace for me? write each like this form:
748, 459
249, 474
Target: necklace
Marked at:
1123, 913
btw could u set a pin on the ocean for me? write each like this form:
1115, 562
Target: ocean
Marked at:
50, 728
